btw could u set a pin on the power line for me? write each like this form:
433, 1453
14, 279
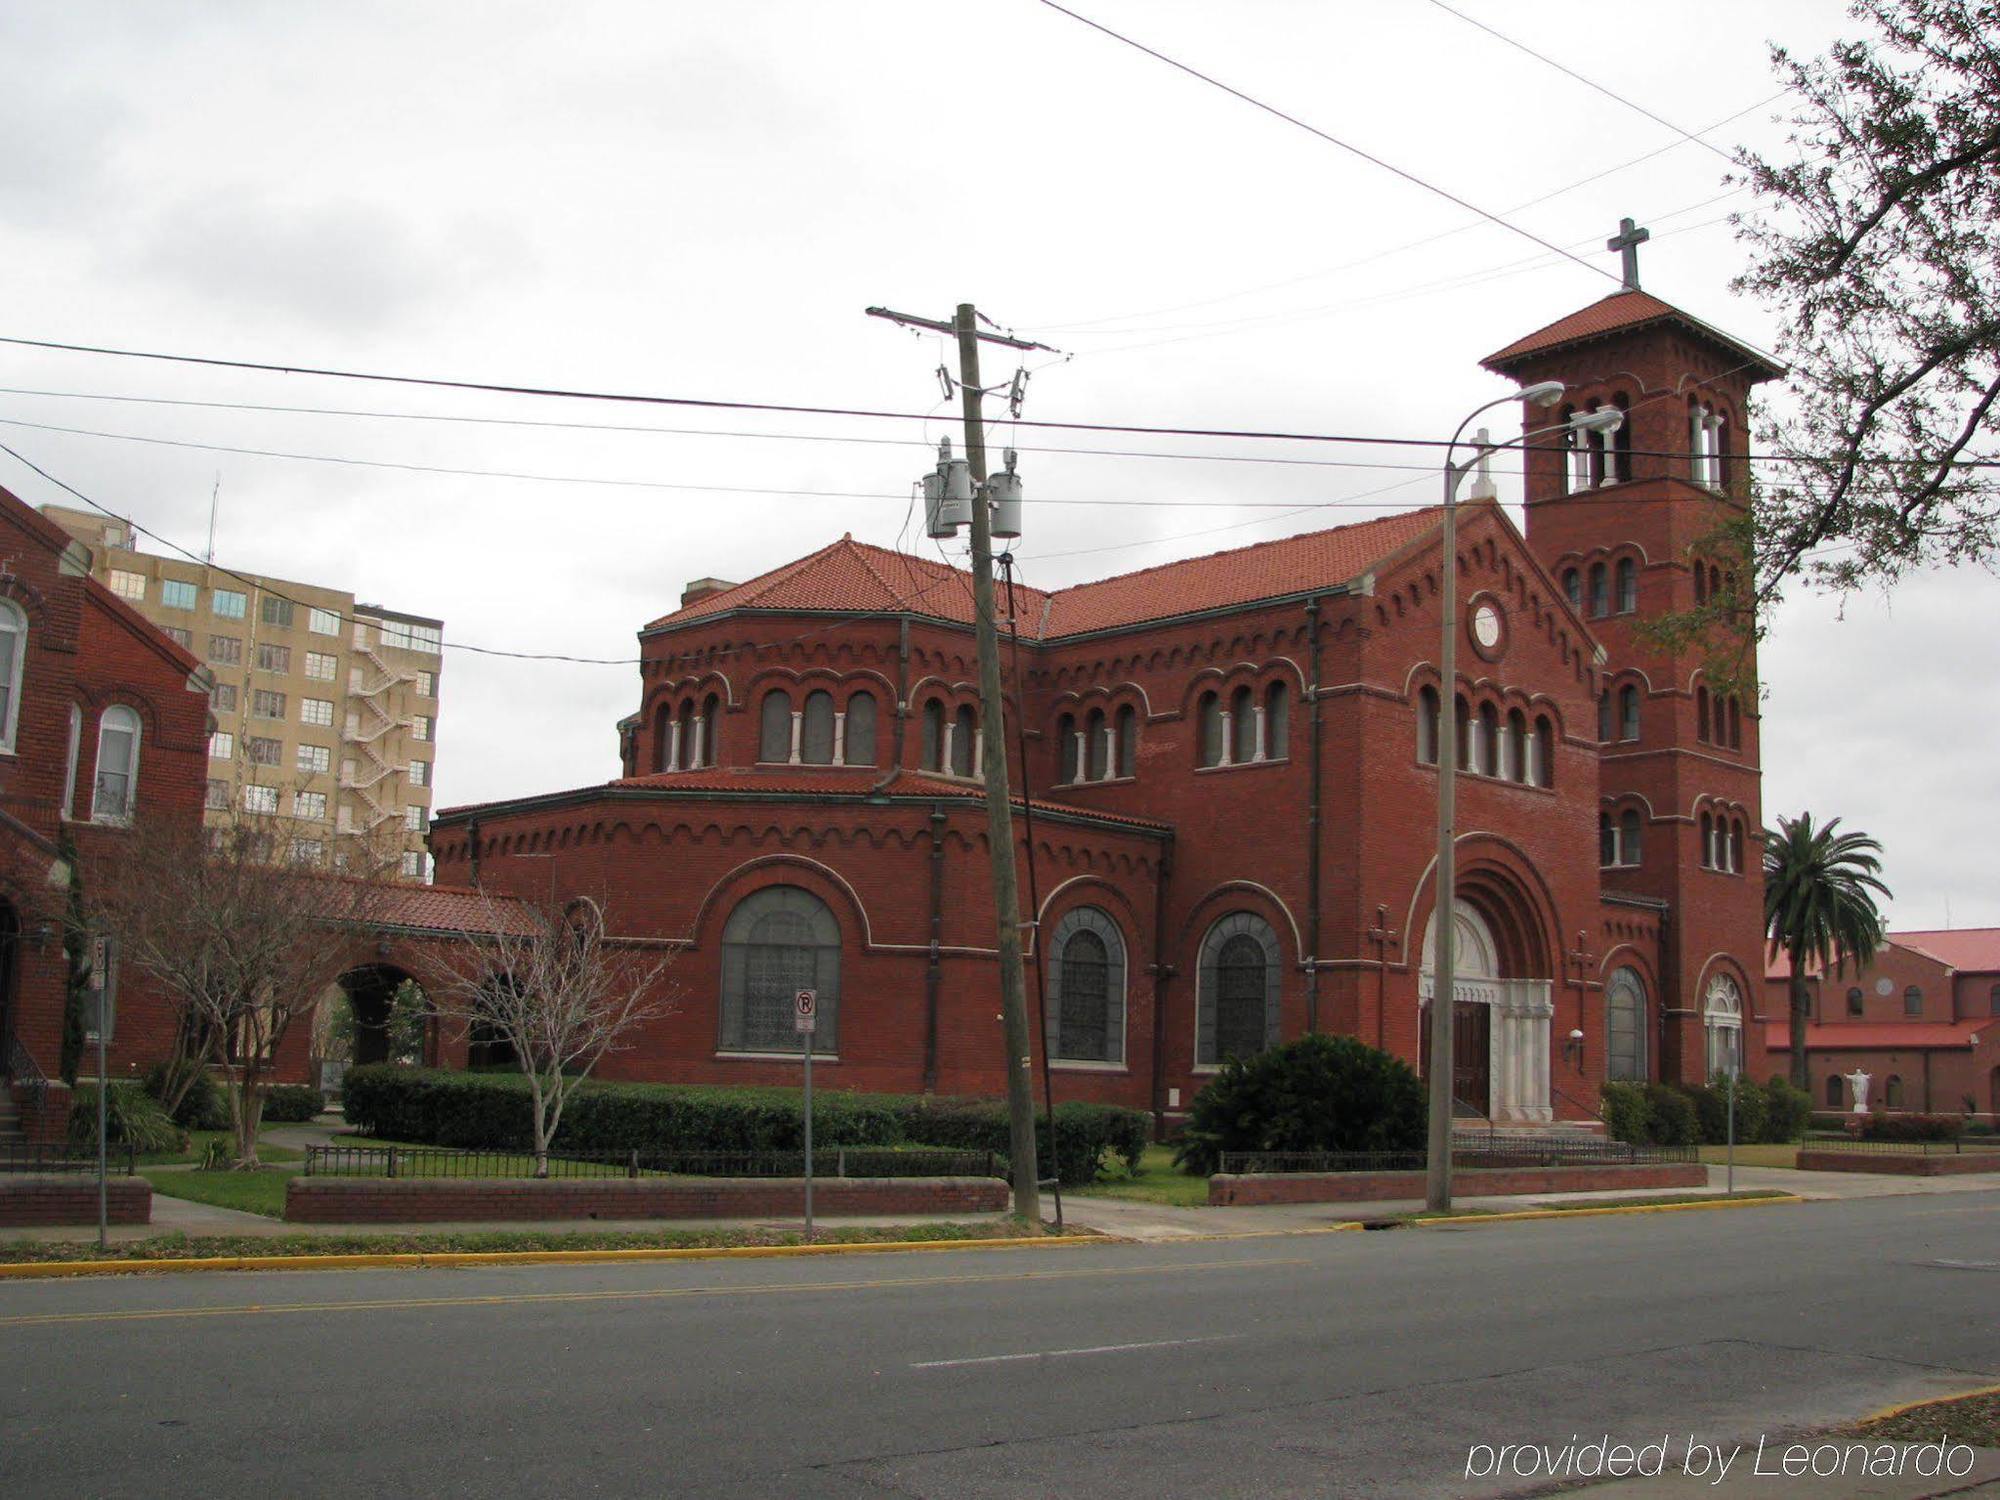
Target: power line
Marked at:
1585, 80
1332, 140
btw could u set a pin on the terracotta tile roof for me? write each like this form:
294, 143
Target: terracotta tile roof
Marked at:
436, 908
854, 576
1619, 313
1970, 950
1877, 1036
807, 781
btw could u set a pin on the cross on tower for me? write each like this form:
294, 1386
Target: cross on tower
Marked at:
1627, 241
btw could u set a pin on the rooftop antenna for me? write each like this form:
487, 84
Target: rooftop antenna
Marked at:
214, 500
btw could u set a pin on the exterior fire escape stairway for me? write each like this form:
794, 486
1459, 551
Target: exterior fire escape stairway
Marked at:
364, 779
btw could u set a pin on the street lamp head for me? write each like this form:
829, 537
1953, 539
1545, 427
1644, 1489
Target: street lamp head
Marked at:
1605, 420
1543, 393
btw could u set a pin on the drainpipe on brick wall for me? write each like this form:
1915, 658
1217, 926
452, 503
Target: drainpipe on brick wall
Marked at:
902, 706
933, 973
472, 849
1162, 973
1312, 829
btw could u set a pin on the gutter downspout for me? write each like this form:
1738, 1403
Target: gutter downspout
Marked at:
1312, 829
933, 971
1162, 973
472, 848
902, 705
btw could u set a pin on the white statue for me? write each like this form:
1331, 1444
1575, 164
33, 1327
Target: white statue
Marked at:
1858, 1081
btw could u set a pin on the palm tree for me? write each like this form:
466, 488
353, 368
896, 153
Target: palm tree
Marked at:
1819, 907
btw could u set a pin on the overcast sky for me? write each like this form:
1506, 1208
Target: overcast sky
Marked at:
700, 201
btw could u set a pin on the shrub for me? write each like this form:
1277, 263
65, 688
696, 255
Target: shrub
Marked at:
1711, 1107
1787, 1111
131, 1117
491, 1111
1912, 1127
1318, 1093
292, 1104
1830, 1120
1671, 1116
1627, 1115
203, 1107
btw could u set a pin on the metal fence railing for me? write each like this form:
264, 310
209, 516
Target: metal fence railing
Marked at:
832, 1161
1470, 1151
1962, 1146
17, 1156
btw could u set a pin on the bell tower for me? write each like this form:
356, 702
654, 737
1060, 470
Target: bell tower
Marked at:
1632, 527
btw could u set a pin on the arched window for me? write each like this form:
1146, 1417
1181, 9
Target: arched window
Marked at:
933, 736
1214, 730
1541, 755
1514, 764
1489, 740
1573, 588
1086, 1017
1628, 712
1600, 591
117, 766
1622, 438
1857, 1003
1628, 585
1095, 757
1625, 1023
778, 941
1237, 989
1128, 741
13, 663
1707, 842
1628, 837
1576, 455
1892, 1092
663, 738
1604, 717
76, 750
1719, 464
1735, 725
1607, 841
685, 724
1427, 726
1242, 727
1069, 750
1913, 1001
816, 731
1714, 582
1834, 1098
708, 729
1736, 845
860, 747
964, 741
1599, 446
1701, 714
774, 742
1700, 584
1277, 721
1722, 1021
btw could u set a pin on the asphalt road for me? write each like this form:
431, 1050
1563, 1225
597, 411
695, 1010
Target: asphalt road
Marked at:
1318, 1365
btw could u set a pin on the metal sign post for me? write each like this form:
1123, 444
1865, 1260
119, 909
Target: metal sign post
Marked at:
1732, 1133
805, 1020
104, 994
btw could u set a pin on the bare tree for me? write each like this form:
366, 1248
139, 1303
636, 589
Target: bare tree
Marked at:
545, 980
241, 929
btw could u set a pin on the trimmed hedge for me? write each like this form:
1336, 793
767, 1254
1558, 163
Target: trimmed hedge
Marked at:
1665, 1114
493, 1111
292, 1104
1912, 1127
1317, 1093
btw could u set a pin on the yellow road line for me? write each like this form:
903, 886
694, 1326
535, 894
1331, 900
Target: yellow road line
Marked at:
388, 1260
1903, 1406
1598, 1213
645, 1294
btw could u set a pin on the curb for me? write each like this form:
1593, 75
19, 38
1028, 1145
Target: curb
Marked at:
51, 1269
1885, 1413
1599, 1213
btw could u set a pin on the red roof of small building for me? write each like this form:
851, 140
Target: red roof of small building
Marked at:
445, 908
853, 577
1876, 1036
1622, 312
1970, 950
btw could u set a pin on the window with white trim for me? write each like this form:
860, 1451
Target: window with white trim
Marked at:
115, 793
420, 773
267, 703
413, 818
314, 759
316, 711
218, 796
226, 650
227, 604
221, 745
1722, 1024
309, 804
262, 751
415, 865
70, 764
423, 727
128, 585
177, 593
13, 665
427, 685
323, 622
260, 799
1086, 1014
321, 666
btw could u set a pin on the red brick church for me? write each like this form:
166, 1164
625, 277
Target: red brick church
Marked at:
1230, 767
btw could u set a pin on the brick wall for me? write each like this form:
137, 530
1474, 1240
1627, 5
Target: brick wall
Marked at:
342, 1200
1901, 1164
71, 1198
1246, 1189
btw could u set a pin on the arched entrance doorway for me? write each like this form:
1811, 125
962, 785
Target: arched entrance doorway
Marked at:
377, 1013
1500, 1024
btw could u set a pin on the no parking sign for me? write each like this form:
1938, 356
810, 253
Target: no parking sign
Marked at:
805, 1012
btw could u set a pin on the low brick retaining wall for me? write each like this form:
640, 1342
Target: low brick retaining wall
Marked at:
1899, 1164
30, 1199
417, 1200
1250, 1188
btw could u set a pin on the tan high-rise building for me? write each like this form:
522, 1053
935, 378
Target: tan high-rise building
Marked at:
325, 710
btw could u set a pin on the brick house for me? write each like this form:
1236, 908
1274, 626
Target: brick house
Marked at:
1922, 1020
102, 718
1230, 766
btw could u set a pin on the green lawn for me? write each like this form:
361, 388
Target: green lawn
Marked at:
198, 1144
1156, 1181
255, 1192
1753, 1156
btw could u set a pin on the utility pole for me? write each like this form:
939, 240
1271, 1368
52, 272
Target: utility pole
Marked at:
993, 761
